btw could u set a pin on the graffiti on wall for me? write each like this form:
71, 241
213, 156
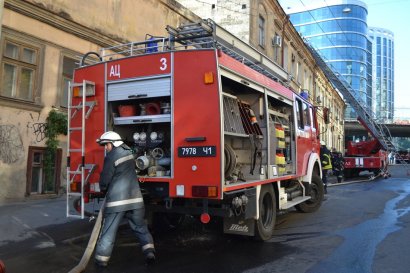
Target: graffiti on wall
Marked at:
39, 131
11, 145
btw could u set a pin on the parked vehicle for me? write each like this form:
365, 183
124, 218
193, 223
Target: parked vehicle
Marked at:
212, 136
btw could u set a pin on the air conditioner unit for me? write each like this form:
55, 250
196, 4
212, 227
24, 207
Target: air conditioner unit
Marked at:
277, 41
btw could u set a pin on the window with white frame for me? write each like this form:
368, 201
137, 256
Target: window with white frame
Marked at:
19, 70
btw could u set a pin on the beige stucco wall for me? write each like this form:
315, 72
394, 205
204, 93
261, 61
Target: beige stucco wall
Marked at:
123, 19
53, 23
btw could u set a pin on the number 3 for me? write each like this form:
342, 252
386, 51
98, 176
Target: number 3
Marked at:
164, 64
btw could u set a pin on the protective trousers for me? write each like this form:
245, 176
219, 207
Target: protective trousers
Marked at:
111, 222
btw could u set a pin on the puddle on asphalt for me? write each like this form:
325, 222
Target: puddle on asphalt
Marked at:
356, 253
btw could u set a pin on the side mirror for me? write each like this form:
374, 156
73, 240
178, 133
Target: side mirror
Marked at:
326, 114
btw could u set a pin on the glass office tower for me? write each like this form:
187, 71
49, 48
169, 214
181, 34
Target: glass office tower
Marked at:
383, 73
337, 29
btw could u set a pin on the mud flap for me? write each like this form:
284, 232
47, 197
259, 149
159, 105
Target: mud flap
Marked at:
244, 223
239, 225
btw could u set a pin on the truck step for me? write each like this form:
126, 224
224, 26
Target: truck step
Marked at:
295, 201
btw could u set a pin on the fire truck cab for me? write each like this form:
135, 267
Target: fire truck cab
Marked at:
212, 136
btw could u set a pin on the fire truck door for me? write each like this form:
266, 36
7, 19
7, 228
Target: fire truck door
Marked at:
304, 135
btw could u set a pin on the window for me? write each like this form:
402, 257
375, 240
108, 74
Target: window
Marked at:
19, 70
286, 55
261, 31
299, 72
299, 114
38, 181
276, 51
67, 76
306, 115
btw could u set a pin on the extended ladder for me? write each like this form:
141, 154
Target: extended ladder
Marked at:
84, 108
365, 115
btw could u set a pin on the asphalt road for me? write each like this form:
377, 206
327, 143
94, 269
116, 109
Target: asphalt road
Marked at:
361, 227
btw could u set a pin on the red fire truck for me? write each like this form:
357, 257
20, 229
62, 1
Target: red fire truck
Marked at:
366, 155
213, 134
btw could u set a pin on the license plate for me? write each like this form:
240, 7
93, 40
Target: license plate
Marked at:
194, 151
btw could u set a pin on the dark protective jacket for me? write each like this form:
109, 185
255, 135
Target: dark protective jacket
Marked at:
119, 179
337, 161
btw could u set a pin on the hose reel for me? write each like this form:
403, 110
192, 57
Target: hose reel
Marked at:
230, 160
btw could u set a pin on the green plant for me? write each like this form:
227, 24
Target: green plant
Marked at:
56, 124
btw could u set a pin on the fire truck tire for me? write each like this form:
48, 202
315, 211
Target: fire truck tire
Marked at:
316, 194
267, 213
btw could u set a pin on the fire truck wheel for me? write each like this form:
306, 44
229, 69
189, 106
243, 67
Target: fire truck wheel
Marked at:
267, 213
348, 173
316, 193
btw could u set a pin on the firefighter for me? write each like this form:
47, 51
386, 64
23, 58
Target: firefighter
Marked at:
123, 199
326, 161
338, 165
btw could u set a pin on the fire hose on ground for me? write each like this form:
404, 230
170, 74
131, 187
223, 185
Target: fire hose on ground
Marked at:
91, 243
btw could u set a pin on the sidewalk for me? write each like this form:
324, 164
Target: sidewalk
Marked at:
21, 221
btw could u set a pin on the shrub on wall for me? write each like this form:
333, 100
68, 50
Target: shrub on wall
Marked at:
56, 124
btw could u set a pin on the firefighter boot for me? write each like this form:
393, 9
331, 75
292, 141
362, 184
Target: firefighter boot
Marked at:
150, 257
325, 188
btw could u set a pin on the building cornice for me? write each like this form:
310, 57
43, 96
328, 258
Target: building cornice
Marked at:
65, 24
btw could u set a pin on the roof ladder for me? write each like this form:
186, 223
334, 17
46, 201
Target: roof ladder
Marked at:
82, 171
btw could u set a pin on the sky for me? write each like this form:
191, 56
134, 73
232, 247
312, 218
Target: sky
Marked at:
393, 15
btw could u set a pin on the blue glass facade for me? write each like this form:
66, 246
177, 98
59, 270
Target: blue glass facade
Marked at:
338, 30
383, 68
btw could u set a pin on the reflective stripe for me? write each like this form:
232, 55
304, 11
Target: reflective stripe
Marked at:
123, 159
147, 246
102, 258
124, 202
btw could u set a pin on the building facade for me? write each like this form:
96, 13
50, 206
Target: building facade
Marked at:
338, 30
383, 73
42, 41
265, 25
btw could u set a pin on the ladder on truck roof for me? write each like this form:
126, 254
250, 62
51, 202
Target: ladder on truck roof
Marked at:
203, 34
207, 34
75, 195
365, 114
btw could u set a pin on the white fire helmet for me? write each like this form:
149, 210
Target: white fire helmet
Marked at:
110, 137
322, 143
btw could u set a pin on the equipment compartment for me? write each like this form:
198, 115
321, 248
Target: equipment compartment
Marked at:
140, 111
